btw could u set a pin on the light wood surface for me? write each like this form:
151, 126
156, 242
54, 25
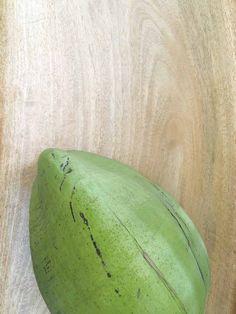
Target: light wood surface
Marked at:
147, 82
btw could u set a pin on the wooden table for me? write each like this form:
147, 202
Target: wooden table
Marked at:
151, 83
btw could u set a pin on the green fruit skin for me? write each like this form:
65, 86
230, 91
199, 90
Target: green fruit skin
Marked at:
105, 239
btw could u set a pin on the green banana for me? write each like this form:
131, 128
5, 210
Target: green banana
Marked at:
105, 239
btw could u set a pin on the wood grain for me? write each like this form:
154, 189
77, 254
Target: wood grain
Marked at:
150, 83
